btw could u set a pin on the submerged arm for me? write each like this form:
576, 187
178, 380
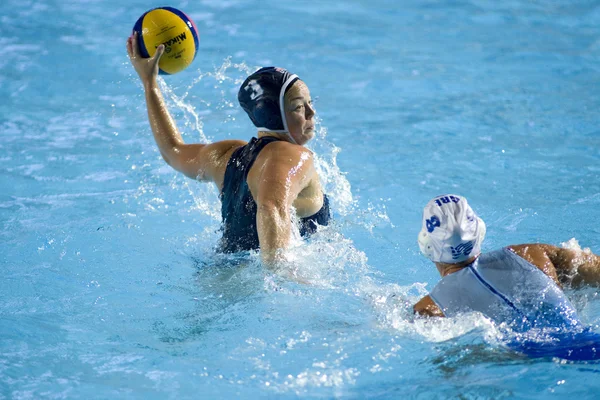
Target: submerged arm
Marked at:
427, 308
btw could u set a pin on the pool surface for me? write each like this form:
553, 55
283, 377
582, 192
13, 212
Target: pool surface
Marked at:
110, 285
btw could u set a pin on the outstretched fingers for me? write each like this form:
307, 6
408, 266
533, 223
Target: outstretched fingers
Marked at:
135, 51
159, 52
129, 47
147, 68
155, 59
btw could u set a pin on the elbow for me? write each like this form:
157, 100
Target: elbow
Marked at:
169, 153
172, 158
167, 159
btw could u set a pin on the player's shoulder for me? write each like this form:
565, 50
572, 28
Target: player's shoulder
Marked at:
222, 149
281, 151
226, 145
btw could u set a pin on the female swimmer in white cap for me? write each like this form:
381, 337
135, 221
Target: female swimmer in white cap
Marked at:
259, 181
519, 284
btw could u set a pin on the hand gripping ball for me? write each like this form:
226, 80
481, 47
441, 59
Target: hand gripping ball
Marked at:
174, 29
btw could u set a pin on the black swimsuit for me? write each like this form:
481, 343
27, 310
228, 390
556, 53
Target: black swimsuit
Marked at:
238, 208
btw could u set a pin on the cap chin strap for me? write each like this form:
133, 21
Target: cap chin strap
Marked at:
278, 131
427, 248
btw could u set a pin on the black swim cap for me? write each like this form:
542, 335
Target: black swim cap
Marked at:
261, 96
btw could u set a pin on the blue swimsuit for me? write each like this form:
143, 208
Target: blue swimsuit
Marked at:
238, 208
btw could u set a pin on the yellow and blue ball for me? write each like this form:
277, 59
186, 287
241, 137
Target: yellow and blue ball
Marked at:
174, 29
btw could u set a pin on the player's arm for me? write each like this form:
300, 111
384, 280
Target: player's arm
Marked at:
427, 307
197, 161
575, 267
283, 176
538, 255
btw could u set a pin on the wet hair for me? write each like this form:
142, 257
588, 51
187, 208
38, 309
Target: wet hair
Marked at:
261, 96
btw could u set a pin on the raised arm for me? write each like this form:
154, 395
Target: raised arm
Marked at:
574, 267
197, 161
282, 176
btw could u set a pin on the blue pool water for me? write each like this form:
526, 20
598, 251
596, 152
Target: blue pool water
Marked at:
110, 287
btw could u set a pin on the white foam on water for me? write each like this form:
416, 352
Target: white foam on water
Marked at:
573, 244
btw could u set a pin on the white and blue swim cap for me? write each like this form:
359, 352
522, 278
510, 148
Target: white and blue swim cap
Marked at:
451, 231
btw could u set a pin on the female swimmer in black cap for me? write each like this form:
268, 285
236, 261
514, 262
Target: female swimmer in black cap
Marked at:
259, 181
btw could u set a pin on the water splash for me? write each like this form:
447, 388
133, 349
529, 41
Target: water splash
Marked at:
347, 209
573, 244
224, 80
329, 261
333, 180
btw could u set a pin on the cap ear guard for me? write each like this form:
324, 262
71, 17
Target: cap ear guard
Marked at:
266, 114
482, 231
425, 244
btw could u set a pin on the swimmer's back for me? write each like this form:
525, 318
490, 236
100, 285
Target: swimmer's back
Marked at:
506, 288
